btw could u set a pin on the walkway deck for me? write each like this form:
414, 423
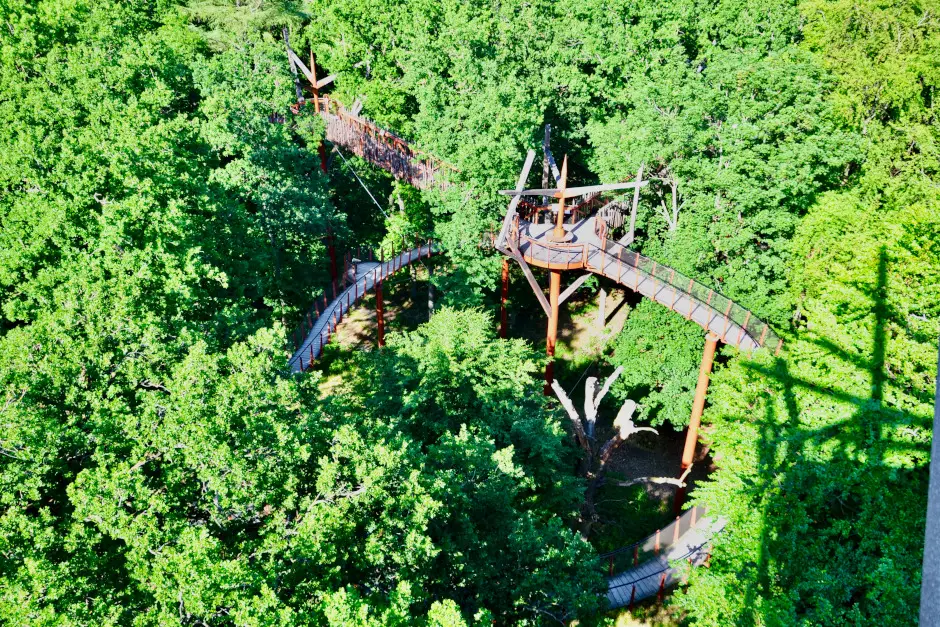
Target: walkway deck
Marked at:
658, 573
662, 284
368, 273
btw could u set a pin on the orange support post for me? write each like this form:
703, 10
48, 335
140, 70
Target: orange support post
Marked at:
553, 294
662, 588
502, 300
380, 312
656, 545
708, 356
632, 597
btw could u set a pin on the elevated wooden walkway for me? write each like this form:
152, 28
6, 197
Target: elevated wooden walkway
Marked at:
662, 284
321, 321
381, 147
656, 563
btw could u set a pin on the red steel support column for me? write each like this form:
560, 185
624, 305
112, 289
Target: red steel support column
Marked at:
553, 293
332, 250
691, 438
502, 301
380, 312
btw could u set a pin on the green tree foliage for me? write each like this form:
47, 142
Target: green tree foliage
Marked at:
502, 474
161, 213
660, 353
824, 450
157, 465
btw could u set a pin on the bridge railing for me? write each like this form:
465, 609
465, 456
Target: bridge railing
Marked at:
614, 253
332, 307
382, 147
660, 542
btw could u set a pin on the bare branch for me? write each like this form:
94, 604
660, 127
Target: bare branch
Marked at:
610, 380
639, 480
590, 407
573, 415
680, 482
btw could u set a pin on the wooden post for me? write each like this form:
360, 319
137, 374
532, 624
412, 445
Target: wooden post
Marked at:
656, 545
502, 300
553, 294
708, 356
662, 588
632, 597
380, 312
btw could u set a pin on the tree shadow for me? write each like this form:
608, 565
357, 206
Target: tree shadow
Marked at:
826, 488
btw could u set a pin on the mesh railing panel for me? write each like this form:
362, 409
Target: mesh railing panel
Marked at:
382, 147
657, 543
737, 314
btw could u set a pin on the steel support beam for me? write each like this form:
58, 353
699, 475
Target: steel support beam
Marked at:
502, 299
530, 278
691, 436
552, 335
571, 288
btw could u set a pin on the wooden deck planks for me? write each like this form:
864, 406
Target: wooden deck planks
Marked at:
606, 262
693, 543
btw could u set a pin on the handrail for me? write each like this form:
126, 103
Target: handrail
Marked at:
380, 146
758, 330
661, 540
578, 255
307, 344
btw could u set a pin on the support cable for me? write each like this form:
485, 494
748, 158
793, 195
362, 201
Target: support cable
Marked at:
340, 153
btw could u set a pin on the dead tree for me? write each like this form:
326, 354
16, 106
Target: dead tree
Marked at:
597, 455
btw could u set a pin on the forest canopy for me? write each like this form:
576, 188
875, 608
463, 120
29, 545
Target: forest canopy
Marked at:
165, 219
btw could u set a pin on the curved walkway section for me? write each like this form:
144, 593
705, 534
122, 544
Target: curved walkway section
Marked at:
713, 312
664, 554
322, 323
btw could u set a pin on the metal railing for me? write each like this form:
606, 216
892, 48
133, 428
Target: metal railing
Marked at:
661, 541
307, 349
613, 260
382, 147
730, 311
